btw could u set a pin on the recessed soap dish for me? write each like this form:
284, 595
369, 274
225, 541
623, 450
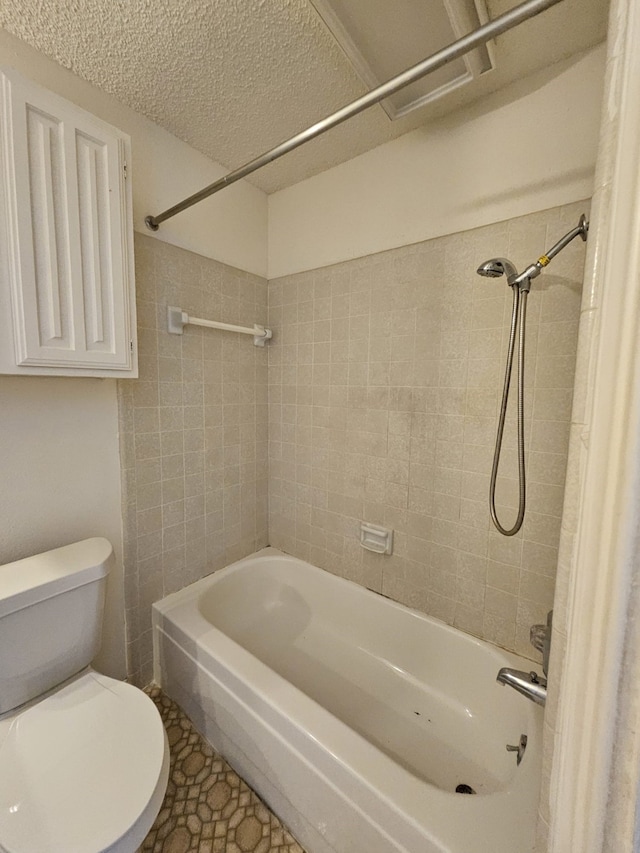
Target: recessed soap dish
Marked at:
376, 539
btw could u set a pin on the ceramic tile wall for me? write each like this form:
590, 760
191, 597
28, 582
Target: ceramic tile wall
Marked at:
385, 375
193, 434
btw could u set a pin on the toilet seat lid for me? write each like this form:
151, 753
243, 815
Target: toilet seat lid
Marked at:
78, 768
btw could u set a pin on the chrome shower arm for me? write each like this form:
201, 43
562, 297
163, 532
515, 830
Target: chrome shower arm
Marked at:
581, 229
534, 270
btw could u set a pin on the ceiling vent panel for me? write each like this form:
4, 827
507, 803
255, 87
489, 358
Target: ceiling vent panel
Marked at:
381, 39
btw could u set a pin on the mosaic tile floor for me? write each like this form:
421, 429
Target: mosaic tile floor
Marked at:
208, 808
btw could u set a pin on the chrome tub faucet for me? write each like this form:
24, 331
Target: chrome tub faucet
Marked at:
530, 684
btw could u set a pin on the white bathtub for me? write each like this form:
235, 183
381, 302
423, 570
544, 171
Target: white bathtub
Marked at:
354, 717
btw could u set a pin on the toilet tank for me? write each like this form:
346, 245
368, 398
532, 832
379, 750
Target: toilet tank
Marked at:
50, 618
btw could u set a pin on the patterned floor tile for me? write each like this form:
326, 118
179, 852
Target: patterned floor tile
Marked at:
208, 808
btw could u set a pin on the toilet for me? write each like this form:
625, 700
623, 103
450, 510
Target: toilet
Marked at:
84, 759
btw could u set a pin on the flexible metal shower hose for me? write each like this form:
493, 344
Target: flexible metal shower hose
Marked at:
518, 320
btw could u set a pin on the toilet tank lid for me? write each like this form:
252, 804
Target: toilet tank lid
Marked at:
25, 582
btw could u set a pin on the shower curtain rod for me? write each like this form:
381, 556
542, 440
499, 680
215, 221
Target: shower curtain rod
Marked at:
459, 48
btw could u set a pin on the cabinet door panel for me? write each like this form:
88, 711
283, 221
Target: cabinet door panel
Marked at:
70, 235
46, 297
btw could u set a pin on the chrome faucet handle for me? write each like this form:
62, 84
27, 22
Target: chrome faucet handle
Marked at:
538, 636
540, 639
519, 748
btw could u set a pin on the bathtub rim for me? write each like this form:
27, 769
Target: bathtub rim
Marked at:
187, 593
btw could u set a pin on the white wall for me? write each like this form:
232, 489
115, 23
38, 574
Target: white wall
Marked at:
528, 148
230, 227
59, 437
61, 479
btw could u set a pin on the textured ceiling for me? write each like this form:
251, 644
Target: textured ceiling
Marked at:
235, 77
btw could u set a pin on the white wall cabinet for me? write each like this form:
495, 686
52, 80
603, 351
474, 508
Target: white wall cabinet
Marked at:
67, 305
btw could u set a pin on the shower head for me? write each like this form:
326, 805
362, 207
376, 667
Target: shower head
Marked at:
497, 267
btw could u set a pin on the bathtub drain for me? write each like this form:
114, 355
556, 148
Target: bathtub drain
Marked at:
464, 789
